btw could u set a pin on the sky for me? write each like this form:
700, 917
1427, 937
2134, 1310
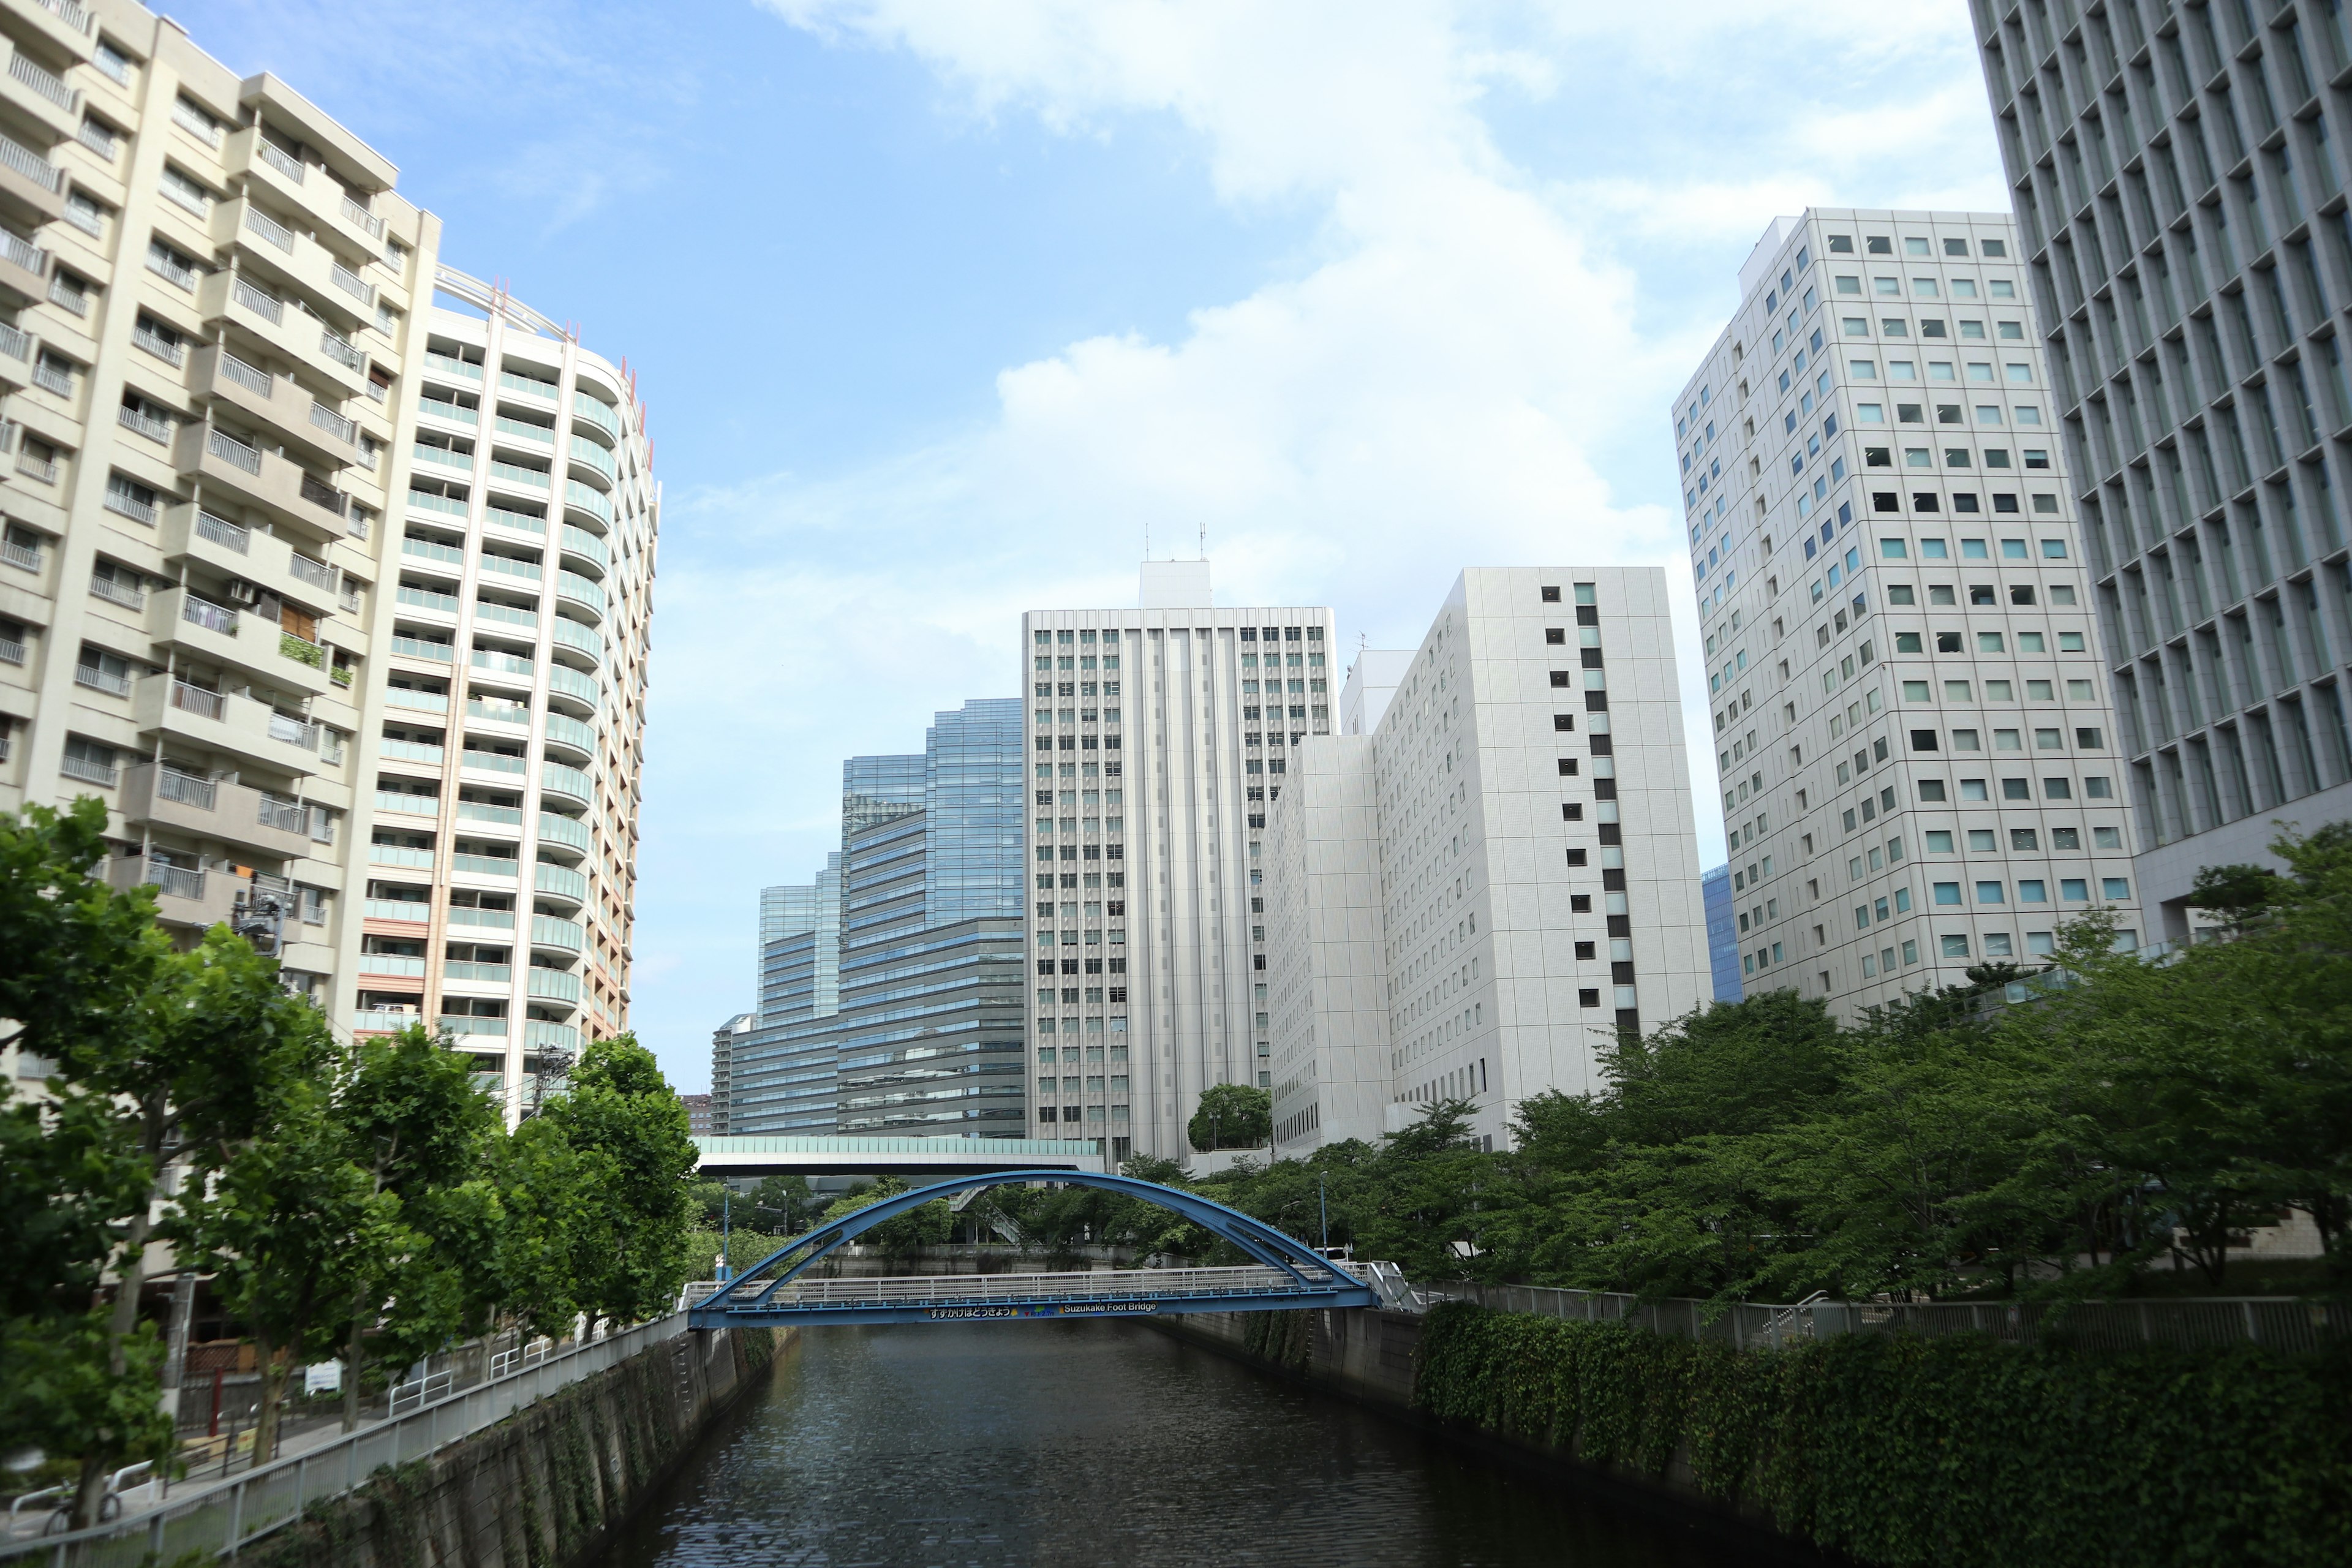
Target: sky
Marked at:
944, 309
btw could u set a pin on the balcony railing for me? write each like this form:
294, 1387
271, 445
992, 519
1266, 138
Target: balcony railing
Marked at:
189, 698
16, 552
11, 652
120, 498
301, 650
177, 881
524, 430
67, 295
508, 614
503, 816
80, 211
580, 638
21, 251
294, 732
72, 15
547, 931
507, 517
50, 376
286, 816
270, 229
493, 762
253, 378
580, 591
502, 663
342, 350
586, 451
187, 788
115, 591
587, 410
320, 493
516, 474
451, 365
529, 571
452, 411
426, 550
98, 138
446, 457
410, 697
223, 532
561, 881
566, 781
589, 499
266, 306
47, 85
142, 423
210, 617
472, 915
422, 647
400, 854
409, 750
233, 452
90, 770
561, 1037
156, 343
433, 500
528, 385
555, 829
352, 283
99, 680
426, 599
31, 164
364, 220
285, 162
480, 974
580, 541
571, 682
345, 430
318, 573
195, 122
392, 963
15, 342
163, 264
553, 985
569, 731
187, 194
486, 865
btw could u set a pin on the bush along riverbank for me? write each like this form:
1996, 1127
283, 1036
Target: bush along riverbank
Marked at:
1959, 1452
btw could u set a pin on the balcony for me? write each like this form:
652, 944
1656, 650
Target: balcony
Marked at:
559, 986
24, 268
566, 785
353, 231
509, 566
454, 413
573, 635
596, 459
564, 830
32, 189
580, 593
289, 332
559, 883
286, 489
39, 94
182, 897
561, 935
64, 22
573, 734
565, 681
596, 415
222, 722
232, 813
528, 385
586, 550
275, 404
486, 865
580, 499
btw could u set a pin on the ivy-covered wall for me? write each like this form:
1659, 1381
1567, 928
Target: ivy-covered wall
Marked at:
544, 1488
1963, 1451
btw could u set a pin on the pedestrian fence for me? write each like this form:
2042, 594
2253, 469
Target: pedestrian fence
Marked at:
224, 1515
2201, 1323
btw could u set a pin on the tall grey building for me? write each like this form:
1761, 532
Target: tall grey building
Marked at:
2180, 198
1158, 736
1916, 747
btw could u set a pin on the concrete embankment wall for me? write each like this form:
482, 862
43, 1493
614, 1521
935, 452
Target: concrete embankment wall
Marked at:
546, 1488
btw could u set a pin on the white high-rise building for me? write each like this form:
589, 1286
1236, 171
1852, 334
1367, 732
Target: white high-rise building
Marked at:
1159, 736
1469, 896
1917, 752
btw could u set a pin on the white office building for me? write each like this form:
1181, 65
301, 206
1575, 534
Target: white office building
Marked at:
1494, 871
1158, 736
1917, 747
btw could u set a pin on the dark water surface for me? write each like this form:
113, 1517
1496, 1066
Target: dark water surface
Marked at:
1087, 1443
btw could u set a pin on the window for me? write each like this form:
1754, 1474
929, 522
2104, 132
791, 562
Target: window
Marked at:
1955, 947
1948, 892
1939, 841
2115, 888
2074, 890
2033, 892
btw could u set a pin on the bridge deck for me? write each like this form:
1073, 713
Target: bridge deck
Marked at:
1101, 1292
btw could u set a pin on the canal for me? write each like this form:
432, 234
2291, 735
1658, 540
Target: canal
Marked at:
1088, 1443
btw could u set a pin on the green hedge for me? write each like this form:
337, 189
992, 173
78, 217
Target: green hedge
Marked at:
1963, 1451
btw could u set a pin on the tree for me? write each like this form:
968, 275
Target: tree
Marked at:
552, 1227
925, 1224
1231, 1116
622, 1118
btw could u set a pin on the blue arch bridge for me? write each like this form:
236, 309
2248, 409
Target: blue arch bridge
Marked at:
1283, 1274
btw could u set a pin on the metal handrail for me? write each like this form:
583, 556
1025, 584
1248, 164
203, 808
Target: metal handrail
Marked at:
269, 228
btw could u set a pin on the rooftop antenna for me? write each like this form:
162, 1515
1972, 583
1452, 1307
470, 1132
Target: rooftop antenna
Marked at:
1204, 539
1147, 538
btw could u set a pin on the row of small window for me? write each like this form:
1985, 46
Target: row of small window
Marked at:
1094, 911
1092, 1025
1930, 288
1931, 327
1917, 244
1946, 370
1996, 944
1071, 1085
1071, 1113
2029, 890
1045, 662
1932, 792
1986, 840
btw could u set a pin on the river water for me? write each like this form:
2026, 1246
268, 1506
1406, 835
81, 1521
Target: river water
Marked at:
1085, 1443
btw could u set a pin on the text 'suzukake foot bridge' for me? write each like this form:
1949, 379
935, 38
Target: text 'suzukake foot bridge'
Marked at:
1288, 1274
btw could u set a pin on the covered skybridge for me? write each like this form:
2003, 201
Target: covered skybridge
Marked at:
722, 1158
1286, 1274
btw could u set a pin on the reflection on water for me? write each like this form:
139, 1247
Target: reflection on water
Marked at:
1079, 1443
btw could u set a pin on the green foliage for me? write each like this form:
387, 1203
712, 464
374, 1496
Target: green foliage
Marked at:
925, 1224
1231, 1116
624, 1120
1960, 1451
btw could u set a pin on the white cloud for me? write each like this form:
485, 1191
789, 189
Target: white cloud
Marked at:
1463, 372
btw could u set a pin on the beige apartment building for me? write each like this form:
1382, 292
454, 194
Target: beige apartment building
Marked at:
214, 306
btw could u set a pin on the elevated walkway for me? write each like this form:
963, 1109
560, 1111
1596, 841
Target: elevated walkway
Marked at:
780, 1155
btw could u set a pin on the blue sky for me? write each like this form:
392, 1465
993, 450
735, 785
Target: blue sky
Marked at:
939, 305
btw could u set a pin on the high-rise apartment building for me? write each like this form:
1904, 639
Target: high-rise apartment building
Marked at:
2181, 195
1914, 742
895, 1006
1474, 898
237, 607
1722, 935
211, 305
722, 1067
510, 739
1157, 737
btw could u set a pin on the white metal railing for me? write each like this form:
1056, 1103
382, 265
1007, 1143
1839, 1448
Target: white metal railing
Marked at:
251, 377
190, 698
529, 386
31, 164
48, 85
163, 264
197, 122
90, 770
352, 283
11, 652
341, 349
106, 680
67, 295
177, 881
367, 222
83, 214
318, 573
231, 450
269, 307
222, 531
52, 375
22, 252
279, 159
187, 788
115, 591
16, 343
319, 492
42, 469
227, 1516
17, 553
344, 430
269, 228
98, 138
188, 193
210, 617
156, 343
294, 732
67, 12
144, 423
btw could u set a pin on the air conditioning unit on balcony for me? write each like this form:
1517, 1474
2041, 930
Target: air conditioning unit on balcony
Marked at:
241, 592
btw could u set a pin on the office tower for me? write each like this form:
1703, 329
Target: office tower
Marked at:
1722, 935
1915, 744
1472, 900
2180, 193
211, 304
896, 1009
510, 733
723, 1041
1158, 736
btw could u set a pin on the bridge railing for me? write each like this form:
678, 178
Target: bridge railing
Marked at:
223, 1517
2285, 1325
1072, 1286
